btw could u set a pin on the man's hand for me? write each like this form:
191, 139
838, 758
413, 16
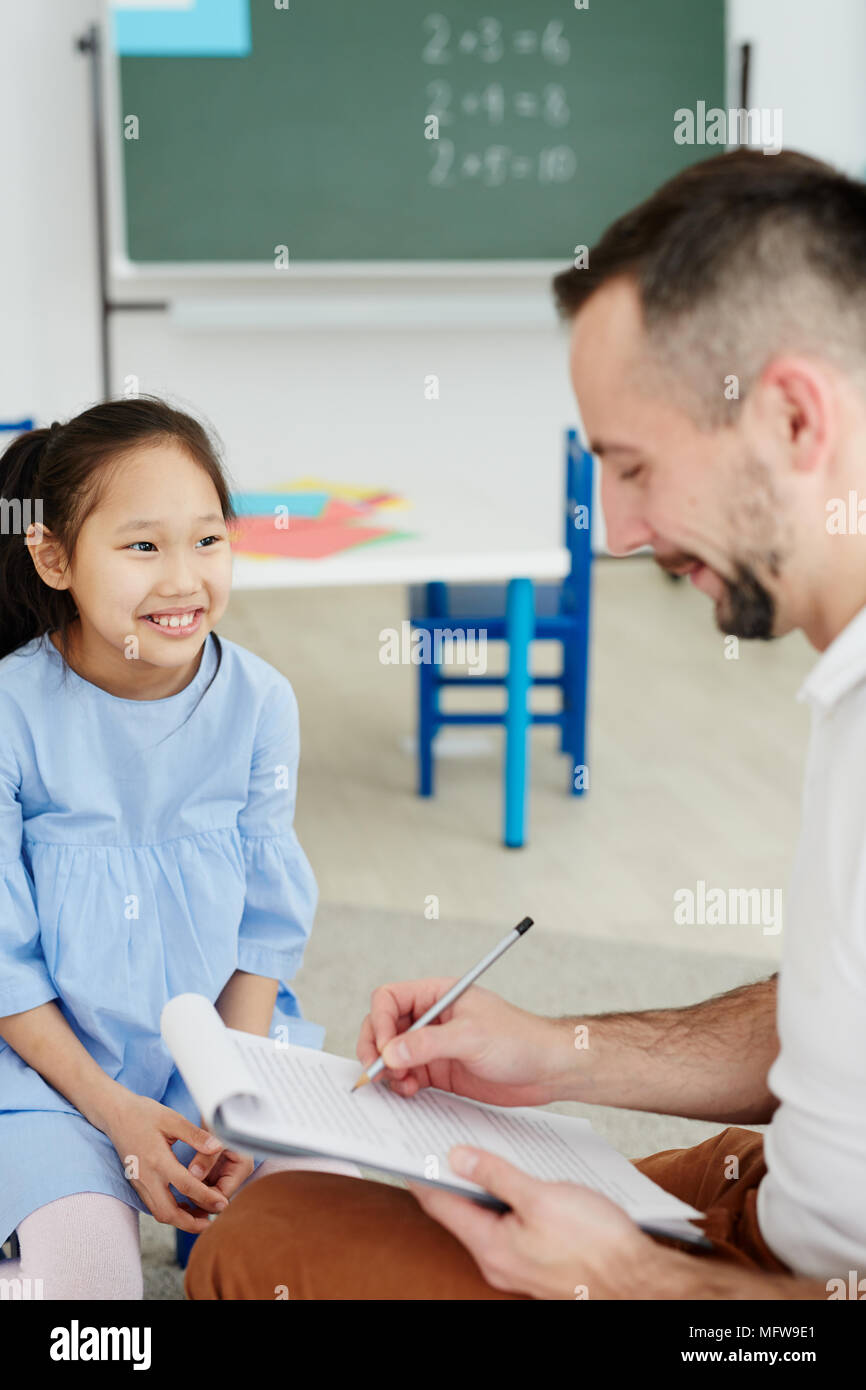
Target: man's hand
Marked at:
481, 1046
559, 1241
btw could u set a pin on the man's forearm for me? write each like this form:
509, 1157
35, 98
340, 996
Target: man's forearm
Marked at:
707, 1062
674, 1275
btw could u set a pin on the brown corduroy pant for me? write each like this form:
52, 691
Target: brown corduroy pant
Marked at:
308, 1235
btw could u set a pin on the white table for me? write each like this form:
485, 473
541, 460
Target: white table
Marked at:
494, 536
485, 543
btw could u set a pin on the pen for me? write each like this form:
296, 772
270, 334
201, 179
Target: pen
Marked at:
453, 993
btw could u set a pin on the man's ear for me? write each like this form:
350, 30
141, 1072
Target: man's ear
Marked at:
48, 556
796, 412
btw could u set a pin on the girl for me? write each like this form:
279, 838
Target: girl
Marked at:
147, 786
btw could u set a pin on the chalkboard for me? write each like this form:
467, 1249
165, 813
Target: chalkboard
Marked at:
551, 121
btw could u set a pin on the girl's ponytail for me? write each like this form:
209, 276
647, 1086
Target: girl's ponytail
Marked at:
28, 607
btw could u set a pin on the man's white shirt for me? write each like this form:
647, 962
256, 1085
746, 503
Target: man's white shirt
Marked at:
812, 1201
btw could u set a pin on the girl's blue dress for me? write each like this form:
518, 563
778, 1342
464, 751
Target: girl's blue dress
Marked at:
140, 856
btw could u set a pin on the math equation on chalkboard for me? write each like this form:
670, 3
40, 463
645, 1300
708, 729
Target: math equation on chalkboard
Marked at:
467, 104
428, 131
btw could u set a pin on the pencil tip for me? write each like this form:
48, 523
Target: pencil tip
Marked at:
362, 1081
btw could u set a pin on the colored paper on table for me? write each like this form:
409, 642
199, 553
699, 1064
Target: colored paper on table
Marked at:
266, 503
334, 512
312, 542
385, 499
367, 544
369, 496
338, 510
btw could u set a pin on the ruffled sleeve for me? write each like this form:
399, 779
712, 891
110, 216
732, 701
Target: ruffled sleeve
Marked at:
24, 979
281, 891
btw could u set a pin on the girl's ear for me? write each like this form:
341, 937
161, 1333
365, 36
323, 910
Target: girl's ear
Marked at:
48, 556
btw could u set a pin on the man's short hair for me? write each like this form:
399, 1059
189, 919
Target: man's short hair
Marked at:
737, 259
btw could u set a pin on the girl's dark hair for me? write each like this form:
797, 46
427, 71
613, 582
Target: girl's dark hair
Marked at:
65, 470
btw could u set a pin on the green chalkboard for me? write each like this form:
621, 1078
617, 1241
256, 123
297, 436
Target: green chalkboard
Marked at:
552, 120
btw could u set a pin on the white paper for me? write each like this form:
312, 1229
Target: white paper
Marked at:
298, 1097
207, 1057
313, 1107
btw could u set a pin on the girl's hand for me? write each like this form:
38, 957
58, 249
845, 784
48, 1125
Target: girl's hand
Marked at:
142, 1132
224, 1170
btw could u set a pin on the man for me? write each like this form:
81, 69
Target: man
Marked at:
719, 355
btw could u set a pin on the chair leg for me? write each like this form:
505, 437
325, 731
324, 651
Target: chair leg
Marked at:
426, 695
183, 1243
520, 621
567, 697
437, 599
577, 668
428, 692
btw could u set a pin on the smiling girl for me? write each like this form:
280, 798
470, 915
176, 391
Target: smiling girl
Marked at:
148, 771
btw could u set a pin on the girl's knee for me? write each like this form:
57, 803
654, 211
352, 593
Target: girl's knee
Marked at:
85, 1246
102, 1282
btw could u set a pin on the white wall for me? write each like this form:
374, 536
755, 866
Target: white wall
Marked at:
808, 59
49, 345
343, 403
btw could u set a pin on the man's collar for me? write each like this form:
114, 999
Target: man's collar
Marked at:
840, 667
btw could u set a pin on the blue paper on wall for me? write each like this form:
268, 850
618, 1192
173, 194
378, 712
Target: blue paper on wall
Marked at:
205, 28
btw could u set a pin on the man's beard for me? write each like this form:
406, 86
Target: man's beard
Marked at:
748, 608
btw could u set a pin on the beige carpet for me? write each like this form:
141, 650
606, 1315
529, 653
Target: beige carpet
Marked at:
353, 950
696, 766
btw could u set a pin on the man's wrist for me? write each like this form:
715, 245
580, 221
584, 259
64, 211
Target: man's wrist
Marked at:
569, 1059
657, 1272
671, 1274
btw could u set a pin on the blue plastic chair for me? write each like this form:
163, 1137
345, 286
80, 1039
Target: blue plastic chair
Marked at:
518, 614
183, 1243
